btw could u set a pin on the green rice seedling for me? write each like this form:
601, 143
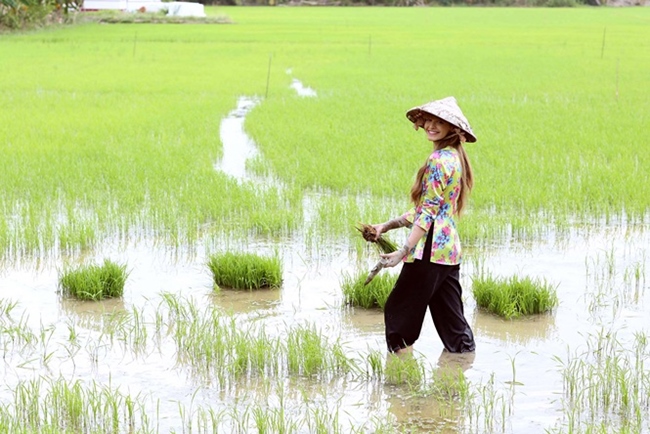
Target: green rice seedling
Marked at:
606, 386
514, 296
404, 369
263, 354
374, 294
94, 282
215, 345
6, 306
307, 353
58, 405
251, 353
322, 421
18, 335
384, 244
634, 279
208, 419
490, 407
340, 362
375, 364
245, 271
449, 385
157, 175
281, 421
129, 328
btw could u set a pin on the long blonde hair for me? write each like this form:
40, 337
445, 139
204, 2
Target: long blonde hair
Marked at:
467, 177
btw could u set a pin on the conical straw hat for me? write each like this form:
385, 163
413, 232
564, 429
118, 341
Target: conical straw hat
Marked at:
447, 109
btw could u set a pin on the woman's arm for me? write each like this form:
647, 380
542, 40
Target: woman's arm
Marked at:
421, 217
395, 223
396, 257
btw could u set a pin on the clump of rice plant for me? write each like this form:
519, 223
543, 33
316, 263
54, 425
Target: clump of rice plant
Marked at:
369, 233
306, 351
245, 271
514, 296
60, 405
94, 282
374, 294
404, 369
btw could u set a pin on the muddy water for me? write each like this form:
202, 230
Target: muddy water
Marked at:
592, 268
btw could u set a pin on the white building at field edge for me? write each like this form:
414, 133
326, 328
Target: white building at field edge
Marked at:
179, 9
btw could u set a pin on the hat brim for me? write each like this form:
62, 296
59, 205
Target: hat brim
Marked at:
416, 113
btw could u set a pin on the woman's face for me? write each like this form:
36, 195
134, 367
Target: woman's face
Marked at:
436, 128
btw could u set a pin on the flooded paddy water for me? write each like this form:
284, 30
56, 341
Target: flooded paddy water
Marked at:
529, 375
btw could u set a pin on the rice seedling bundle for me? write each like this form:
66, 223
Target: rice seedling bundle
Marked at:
245, 271
514, 296
94, 282
369, 233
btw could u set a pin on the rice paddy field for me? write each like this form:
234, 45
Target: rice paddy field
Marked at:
157, 146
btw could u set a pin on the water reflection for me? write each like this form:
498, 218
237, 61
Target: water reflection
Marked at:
455, 362
519, 330
438, 411
91, 314
246, 301
365, 320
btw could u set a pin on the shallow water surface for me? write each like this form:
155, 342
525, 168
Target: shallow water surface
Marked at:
515, 375
519, 354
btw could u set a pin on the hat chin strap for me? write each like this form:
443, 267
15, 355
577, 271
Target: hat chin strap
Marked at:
461, 135
457, 132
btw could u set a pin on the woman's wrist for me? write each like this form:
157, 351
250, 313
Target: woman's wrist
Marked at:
395, 223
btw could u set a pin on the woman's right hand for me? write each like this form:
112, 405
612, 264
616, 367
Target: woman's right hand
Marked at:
379, 229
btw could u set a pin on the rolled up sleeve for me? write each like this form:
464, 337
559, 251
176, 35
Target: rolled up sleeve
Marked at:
437, 177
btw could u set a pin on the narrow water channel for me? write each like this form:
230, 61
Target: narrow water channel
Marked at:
237, 146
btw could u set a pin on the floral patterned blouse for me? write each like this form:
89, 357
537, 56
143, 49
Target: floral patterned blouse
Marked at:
437, 207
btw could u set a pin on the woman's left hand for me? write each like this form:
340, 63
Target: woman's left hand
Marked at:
392, 259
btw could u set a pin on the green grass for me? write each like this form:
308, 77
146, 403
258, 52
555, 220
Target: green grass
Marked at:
511, 297
120, 136
543, 53
372, 295
245, 271
94, 282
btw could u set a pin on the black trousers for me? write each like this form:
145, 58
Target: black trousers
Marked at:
423, 284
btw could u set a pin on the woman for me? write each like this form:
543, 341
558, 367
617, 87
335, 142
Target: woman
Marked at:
432, 252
